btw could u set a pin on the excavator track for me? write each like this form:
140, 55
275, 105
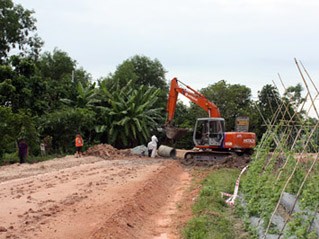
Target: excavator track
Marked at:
214, 158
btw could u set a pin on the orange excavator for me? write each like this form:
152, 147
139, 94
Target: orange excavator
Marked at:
213, 145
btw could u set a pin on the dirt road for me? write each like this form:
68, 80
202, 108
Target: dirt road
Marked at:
90, 197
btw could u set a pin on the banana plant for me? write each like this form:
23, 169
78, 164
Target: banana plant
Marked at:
131, 113
86, 97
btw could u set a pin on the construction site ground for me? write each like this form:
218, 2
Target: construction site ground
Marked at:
112, 195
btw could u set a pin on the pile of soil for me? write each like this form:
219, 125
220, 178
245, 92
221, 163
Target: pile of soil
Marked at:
106, 151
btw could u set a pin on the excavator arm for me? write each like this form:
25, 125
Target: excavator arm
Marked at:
193, 95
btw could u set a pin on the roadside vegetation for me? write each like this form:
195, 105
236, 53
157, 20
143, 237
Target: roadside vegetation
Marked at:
13, 158
213, 218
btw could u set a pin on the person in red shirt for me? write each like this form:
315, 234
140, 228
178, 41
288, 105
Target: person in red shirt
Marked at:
78, 145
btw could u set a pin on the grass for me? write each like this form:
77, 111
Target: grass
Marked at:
13, 158
213, 218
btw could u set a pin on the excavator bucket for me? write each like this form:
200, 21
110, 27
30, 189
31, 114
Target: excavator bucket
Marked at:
174, 133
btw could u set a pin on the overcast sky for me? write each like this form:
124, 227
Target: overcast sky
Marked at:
200, 42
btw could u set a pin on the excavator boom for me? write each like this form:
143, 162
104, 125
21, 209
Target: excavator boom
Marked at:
193, 95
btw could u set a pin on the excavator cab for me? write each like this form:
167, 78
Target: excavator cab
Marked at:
209, 132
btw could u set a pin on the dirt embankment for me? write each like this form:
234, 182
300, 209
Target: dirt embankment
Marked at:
90, 197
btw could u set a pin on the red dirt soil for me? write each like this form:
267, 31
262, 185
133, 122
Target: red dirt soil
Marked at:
90, 197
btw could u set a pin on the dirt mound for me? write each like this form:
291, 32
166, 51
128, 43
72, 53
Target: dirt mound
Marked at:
134, 219
106, 151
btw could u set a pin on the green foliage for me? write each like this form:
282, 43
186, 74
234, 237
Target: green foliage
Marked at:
266, 178
293, 93
86, 97
148, 72
124, 73
10, 158
56, 66
40, 91
14, 126
14, 158
21, 88
25, 127
63, 125
56, 71
310, 194
183, 119
263, 183
232, 101
7, 141
213, 219
130, 114
141, 70
280, 161
274, 108
202, 227
299, 227
268, 103
17, 26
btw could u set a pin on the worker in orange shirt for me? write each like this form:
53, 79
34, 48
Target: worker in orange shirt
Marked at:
78, 145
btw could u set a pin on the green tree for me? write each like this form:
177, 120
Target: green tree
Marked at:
294, 117
232, 101
294, 94
293, 100
86, 97
17, 30
6, 130
129, 114
273, 107
268, 105
14, 126
7, 88
141, 70
56, 70
62, 125
21, 87
184, 118
124, 73
81, 76
269, 101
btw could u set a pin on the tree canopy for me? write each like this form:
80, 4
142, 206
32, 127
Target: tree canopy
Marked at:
142, 71
17, 30
232, 100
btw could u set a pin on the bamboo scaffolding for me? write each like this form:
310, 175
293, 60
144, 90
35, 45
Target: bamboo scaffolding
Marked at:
306, 143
